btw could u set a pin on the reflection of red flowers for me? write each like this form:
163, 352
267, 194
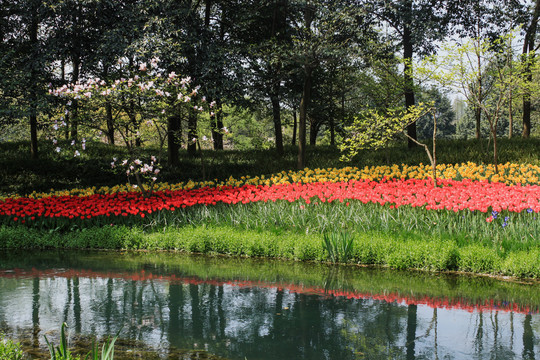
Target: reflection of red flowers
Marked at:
461, 303
451, 195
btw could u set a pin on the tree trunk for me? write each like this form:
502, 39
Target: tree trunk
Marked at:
528, 47
33, 35
192, 133
510, 118
33, 128
295, 125
63, 77
109, 114
208, 6
173, 141
332, 130
409, 84
477, 117
332, 122
110, 123
217, 126
411, 331
313, 131
306, 97
75, 104
276, 114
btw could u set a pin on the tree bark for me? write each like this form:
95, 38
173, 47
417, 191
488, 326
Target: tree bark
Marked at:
192, 133
295, 125
110, 123
510, 118
478, 118
313, 131
75, 104
306, 97
331, 121
276, 114
63, 77
528, 47
108, 113
173, 143
478, 110
217, 126
33, 35
411, 331
409, 84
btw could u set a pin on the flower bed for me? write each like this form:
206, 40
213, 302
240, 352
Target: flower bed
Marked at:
509, 173
451, 195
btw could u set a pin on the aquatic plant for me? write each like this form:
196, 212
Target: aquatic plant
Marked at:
338, 245
62, 352
107, 351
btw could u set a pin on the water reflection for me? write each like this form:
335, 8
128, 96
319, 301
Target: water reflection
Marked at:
255, 310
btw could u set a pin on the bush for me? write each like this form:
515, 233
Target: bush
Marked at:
479, 259
522, 264
9, 350
368, 248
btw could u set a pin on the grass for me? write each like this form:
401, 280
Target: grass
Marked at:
394, 250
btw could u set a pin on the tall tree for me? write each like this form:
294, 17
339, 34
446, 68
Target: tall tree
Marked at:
263, 30
25, 62
328, 35
528, 57
417, 25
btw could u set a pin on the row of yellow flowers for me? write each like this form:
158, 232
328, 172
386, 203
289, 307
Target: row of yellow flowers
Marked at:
508, 173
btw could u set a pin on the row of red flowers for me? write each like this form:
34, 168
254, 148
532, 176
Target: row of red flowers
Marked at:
451, 195
433, 302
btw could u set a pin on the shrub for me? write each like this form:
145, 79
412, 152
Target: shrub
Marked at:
522, 264
479, 259
10, 350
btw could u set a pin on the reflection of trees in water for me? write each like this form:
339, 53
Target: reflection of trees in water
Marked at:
245, 322
35, 311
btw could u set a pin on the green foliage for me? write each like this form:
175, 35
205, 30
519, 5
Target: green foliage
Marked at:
338, 245
400, 250
446, 124
10, 350
522, 264
373, 129
250, 128
479, 259
60, 352
107, 351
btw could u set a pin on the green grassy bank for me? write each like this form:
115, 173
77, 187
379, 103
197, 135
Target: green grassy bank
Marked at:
369, 248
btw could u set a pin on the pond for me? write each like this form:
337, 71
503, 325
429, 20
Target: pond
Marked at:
175, 306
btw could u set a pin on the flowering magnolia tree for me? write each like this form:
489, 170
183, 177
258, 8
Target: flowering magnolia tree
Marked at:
132, 106
146, 98
144, 173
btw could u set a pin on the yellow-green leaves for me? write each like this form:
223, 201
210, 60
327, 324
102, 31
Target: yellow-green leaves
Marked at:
372, 129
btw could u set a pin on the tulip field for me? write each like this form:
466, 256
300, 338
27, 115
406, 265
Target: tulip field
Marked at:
474, 211
465, 195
